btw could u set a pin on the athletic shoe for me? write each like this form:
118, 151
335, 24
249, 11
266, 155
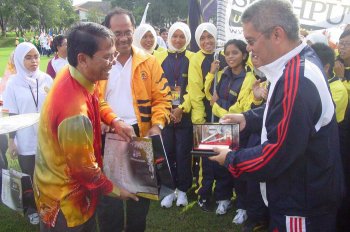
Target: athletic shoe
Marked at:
223, 206
240, 217
34, 218
181, 198
167, 201
204, 204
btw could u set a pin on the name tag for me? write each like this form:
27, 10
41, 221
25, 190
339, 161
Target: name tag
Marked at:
175, 95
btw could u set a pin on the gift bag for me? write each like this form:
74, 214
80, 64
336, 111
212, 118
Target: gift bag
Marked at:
17, 191
12, 163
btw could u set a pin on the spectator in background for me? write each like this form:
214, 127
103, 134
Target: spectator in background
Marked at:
338, 90
25, 93
163, 32
10, 70
316, 37
342, 63
60, 58
145, 38
340, 98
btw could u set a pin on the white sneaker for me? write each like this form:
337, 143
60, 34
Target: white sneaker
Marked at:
223, 206
167, 201
34, 218
181, 198
240, 217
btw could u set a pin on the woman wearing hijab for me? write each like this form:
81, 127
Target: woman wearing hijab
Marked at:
177, 136
25, 93
234, 94
145, 38
198, 72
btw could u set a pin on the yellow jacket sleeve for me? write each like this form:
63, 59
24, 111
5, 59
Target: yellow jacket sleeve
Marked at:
218, 111
245, 96
209, 78
186, 104
161, 95
195, 90
340, 98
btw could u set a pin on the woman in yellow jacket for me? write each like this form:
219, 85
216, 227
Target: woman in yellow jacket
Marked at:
145, 38
200, 65
234, 94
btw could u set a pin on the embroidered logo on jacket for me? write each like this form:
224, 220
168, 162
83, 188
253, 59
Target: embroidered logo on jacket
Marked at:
143, 75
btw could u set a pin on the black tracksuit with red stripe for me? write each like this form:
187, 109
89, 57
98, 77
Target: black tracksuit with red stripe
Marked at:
299, 161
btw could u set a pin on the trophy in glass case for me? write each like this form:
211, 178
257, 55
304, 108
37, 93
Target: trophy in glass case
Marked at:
209, 135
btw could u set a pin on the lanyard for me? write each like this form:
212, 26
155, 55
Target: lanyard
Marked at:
176, 69
36, 101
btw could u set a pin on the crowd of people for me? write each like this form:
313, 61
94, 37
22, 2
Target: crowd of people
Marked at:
289, 93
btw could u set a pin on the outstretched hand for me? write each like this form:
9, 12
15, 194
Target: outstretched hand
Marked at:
234, 118
221, 155
123, 129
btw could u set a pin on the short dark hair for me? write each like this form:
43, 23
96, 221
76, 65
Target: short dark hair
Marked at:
85, 38
344, 34
118, 11
162, 30
326, 55
267, 14
241, 45
57, 42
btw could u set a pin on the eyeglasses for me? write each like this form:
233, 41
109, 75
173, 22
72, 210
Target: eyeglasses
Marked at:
251, 42
120, 34
343, 44
110, 59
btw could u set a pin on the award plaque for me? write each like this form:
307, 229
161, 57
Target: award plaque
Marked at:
210, 135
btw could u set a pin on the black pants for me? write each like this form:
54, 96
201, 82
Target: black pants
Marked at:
111, 214
178, 141
211, 171
61, 225
27, 164
3, 149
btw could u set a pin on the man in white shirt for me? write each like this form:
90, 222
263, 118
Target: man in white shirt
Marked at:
139, 95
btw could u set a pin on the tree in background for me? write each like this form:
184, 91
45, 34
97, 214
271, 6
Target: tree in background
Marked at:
40, 15
160, 13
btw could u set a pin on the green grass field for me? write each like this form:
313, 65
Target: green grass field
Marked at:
190, 218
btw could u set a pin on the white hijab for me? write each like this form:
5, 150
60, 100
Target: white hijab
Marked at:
317, 37
29, 77
140, 32
184, 29
209, 27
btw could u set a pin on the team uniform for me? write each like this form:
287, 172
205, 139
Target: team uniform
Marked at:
201, 113
178, 137
298, 160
